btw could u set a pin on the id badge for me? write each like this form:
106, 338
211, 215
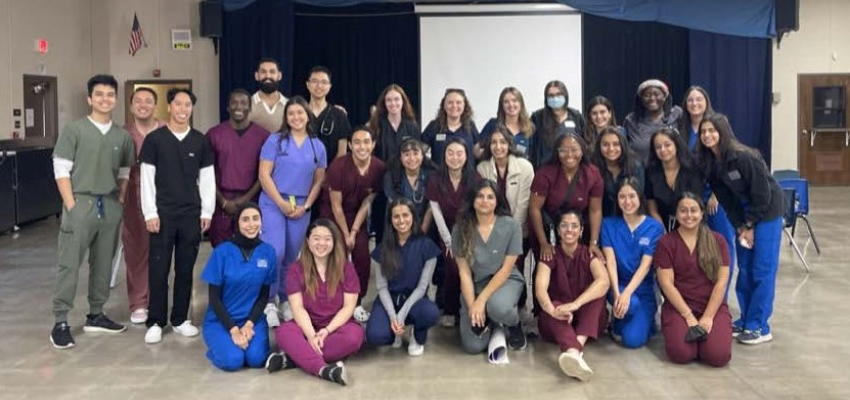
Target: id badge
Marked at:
520, 148
441, 137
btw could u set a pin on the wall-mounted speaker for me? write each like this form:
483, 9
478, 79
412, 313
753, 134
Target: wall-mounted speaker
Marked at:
787, 16
211, 19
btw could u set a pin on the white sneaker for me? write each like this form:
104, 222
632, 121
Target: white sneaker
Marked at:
186, 329
139, 316
286, 311
153, 335
573, 365
414, 349
397, 342
448, 321
271, 315
361, 315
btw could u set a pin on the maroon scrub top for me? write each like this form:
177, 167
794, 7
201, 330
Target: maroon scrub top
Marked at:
569, 276
551, 183
450, 201
343, 176
237, 157
688, 278
323, 306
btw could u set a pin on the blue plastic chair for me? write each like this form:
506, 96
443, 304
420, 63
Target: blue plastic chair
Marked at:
789, 220
784, 174
801, 205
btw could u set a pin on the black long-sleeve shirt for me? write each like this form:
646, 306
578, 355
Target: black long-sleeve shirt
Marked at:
746, 189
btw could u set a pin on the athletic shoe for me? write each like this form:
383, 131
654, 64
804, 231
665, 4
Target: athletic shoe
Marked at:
186, 329
334, 373
516, 337
754, 337
361, 315
61, 337
278, 361
414, 349
573, 365
448, 321
271, 315
737, 330
397, 342
102, 323
153, 335
139, 316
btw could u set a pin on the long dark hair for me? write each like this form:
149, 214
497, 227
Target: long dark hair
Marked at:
336, 260
685, 120
626, 162
467, 171
707, 247
684, 157
590, 134
396, 168
727, 144
502, 131
465, 117
467, 222
284, 126
633, 183
390, 249
550, 123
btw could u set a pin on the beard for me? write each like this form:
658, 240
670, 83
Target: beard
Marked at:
268, 86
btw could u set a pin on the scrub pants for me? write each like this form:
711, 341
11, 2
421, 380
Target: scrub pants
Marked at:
589, 320
222, 225
135, 236
81, 229
756, 285
451, 285
341, 343
715, 351
285, 235
638, 325
226, 356
360, 257
501, 309
423, 315
719, 222
181, 236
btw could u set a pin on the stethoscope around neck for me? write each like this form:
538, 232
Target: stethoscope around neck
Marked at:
285, 151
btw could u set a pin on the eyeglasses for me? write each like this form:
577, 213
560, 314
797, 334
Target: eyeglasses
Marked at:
319, 82
569, 150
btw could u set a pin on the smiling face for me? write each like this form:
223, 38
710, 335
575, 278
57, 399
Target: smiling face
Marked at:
689, 213
485, 201
665, 148
180, 108
652, 99
708, 135
569, 230
393, 102
455, 156
610, 146
361, 145
320, 242
499, 145
142, 105
628, 200
402, 219
268, 72
297, 117
696, 103
239, 106
319, 84
600, 116
511, 105
411, 159
569, 153
102, 99
453, 105
250, 223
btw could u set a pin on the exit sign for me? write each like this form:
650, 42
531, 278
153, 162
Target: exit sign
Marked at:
42, 46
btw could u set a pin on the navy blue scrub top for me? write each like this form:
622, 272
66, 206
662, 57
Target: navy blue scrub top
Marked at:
415, 252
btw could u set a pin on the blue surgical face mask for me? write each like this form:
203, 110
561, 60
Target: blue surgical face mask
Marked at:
556, 101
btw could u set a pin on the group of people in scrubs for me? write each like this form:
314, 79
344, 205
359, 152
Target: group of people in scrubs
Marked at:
571, 213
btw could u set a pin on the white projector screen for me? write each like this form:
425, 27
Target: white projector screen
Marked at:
485, 48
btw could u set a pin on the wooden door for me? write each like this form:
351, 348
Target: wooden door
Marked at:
824, 134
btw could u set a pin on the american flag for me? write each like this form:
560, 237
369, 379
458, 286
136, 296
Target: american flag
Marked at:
137, 38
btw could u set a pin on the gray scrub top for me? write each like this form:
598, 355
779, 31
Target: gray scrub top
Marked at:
506, 239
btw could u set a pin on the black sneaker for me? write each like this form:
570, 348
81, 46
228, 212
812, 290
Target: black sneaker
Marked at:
61, 337
334, 373
516, 337
102, 323
278, 361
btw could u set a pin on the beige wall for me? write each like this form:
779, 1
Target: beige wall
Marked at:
822, 45
92, 36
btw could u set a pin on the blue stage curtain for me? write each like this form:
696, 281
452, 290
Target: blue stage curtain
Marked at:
366, 47
260, 29
737, 72
619, 55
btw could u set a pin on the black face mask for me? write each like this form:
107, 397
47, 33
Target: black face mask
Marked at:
268, 86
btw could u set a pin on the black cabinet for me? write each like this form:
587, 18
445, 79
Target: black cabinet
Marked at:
36, 195
7, 190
